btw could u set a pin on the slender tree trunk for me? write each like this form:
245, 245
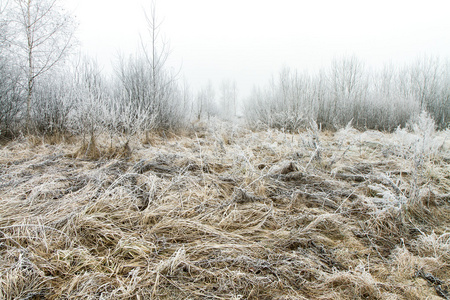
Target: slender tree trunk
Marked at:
29, 95
154, 94
30, 67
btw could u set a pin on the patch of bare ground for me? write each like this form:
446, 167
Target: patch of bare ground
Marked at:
227, 213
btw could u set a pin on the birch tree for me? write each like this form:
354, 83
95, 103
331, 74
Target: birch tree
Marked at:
44, 34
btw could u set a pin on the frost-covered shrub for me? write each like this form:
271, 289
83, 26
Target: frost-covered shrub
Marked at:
348, 92
11, 98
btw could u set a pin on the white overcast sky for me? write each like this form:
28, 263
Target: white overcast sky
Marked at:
249, 41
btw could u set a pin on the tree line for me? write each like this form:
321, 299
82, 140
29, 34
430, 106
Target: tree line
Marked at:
46, 89
348, 92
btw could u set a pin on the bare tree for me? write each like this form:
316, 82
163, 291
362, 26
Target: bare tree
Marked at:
10, 97
150, 96
54, 101
286, 103
347, 92
3, 25
10, 94
159, 51
349, 85
228, 98
90, 98
442, 114
425, 81
188, 104
206, 101
44, 34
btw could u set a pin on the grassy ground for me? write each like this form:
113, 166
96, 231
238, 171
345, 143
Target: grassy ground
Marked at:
226, 213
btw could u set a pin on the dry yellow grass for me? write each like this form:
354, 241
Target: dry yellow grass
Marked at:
227, 213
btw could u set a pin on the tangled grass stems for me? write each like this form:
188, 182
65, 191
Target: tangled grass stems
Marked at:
251, 218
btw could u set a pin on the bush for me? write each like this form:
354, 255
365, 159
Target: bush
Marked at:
347, 92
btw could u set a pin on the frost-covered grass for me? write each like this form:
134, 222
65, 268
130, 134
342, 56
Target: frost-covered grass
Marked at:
220, 212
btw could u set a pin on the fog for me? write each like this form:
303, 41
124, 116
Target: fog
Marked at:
249, 41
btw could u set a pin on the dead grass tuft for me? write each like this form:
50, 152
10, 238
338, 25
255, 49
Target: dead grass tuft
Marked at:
88, 150
21, 278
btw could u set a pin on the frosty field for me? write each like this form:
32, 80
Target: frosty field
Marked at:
220, 212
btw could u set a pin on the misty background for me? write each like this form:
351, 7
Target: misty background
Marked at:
87, 67
249, 41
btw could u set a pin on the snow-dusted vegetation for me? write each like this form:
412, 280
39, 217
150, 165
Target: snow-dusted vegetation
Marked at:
350, 92
332, 185
45, 90
224, 212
